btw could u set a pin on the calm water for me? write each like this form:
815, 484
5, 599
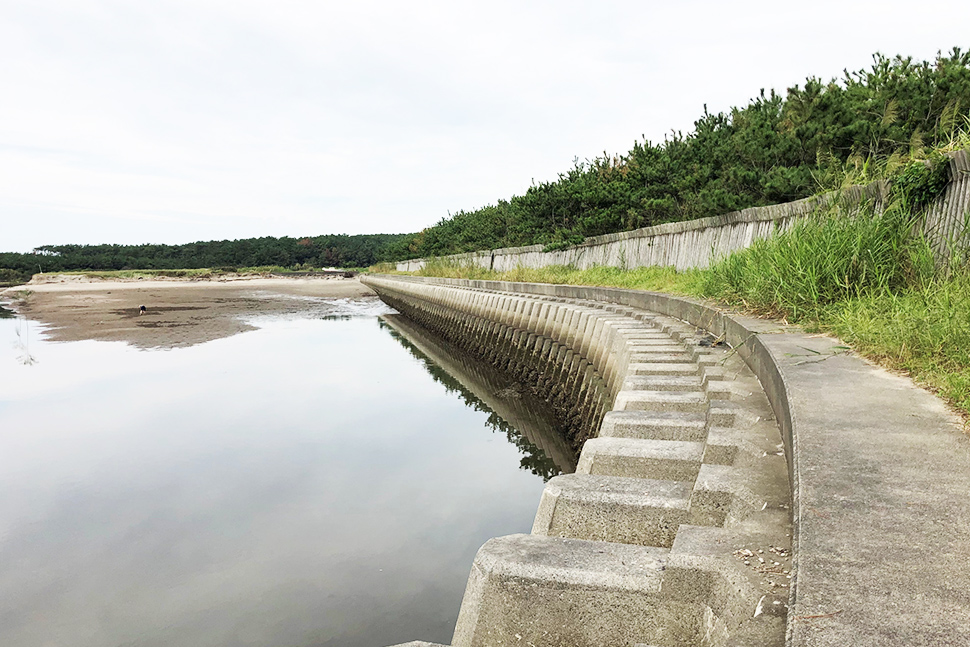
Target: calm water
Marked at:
314, 482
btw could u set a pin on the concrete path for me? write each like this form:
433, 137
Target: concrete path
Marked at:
882, 503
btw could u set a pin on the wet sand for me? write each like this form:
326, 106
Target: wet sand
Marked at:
177, 312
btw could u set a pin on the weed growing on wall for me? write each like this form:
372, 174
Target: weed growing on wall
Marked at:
919, 183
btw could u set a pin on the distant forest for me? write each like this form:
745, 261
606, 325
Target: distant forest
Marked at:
776, 149
318, 251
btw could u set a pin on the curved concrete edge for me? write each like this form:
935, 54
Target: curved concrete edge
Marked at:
879, 472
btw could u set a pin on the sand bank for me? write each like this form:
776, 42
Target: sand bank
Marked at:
177, 312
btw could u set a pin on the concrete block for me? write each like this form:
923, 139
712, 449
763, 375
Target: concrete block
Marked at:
745, 446
643, 356
722, 413
747, 600
647, 338
551, 592
663, 383
650, 367
686, 401
617, 509
634, 346
656, 425
650, 459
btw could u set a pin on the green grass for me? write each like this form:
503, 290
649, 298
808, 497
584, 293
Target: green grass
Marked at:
664, 279
830, 258
863, 277
922, 331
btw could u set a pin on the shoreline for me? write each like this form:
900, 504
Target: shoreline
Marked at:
179, 312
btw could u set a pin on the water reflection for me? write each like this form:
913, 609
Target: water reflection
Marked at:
6, 314
307, 483
527, 421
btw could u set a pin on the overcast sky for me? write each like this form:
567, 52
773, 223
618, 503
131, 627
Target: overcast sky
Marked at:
174, 121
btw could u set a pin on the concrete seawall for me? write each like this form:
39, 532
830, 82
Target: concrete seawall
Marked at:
682, 492
661, 536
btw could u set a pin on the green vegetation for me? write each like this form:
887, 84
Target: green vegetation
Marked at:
294, 254
660, 279
826, 259
821, 135
9, 277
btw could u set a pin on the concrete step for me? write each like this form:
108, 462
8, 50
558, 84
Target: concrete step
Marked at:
552, 592
684, 401
650, 459
663, 383
658, 425
649, 339
725, 495
650, 367
744, 446
722, 413
666, 357
719, 389
669, 348
639, 511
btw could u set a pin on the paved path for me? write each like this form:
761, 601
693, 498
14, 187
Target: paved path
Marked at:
882, 504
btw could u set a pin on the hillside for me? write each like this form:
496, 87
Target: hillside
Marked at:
778, 148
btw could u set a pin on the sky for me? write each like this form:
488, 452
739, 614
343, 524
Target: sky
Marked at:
174, 121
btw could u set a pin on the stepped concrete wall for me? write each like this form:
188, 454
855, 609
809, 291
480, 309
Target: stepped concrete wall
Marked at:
698, 243
645, 542
674, 530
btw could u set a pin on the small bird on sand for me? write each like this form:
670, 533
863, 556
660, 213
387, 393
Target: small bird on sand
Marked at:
142, 310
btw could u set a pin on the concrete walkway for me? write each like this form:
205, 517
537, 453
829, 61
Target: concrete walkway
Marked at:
882, 503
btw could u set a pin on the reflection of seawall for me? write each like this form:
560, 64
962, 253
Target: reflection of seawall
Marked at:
520, 409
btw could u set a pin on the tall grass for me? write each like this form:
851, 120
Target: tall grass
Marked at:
868, 279
922, 330
831, 257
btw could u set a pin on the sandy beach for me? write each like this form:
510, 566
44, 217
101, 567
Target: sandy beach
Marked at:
177, 312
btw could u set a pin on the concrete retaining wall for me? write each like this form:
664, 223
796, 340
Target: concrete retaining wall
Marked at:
697, 243
878, 471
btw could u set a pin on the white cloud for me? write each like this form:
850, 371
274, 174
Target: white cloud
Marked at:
174, 121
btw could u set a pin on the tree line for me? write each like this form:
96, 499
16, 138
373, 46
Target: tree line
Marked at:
319, 251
